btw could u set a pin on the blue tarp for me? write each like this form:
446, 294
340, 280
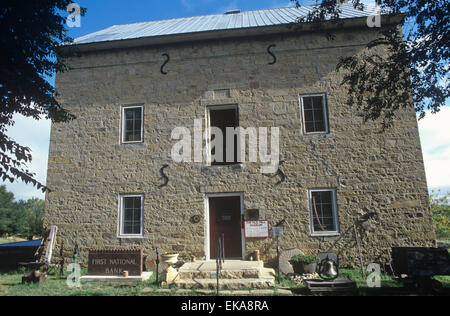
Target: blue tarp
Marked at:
31, 243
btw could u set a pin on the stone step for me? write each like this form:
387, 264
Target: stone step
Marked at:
230, 284
230, 270
235, 274
226, 274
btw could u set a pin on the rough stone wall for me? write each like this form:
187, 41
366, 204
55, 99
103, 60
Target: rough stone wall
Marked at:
373, 172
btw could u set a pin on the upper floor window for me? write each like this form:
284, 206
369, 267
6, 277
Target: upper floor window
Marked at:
131, 217
133, 124
224, 145
314, 112
323, 212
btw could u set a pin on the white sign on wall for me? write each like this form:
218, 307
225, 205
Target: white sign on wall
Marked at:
277, 231
256, 229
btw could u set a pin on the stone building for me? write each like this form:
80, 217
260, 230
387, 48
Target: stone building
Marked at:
115, 182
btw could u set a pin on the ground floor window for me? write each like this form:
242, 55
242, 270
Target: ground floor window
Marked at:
323, 212
131, 215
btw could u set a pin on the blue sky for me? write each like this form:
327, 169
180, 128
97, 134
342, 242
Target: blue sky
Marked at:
434, 129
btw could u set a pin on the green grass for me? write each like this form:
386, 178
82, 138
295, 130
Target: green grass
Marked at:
445, 280
444, 242
11, 285
389, 286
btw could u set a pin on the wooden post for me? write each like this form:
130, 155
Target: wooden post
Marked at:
61, 260
358, 242
50, 244
278, 259
157, 265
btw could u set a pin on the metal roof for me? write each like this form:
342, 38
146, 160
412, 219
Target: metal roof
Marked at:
211, 23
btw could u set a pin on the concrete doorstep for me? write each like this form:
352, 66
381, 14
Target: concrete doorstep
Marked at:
235, 275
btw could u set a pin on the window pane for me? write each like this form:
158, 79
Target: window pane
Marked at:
318, 114
132, 215
322, 211
136, 228
128, 215
128, 228
133, 136
137, 113
128, 202
309, 115
129, 114
328, 223
319, 126
309, 127
317, 101
137, 124
326, 197
132, 128
314, 115
129, 137
307, 103
129, 125
137, 214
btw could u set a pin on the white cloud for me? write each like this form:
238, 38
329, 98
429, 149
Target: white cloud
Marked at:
435, 139
35, 135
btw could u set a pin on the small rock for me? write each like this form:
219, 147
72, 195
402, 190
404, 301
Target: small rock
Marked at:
284, 292
299, 278
147, 290
183, 291
285, 256
262, 292
240, 293
225, 292
164, 291
205, 291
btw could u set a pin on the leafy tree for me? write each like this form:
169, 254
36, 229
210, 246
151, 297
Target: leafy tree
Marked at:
32, 31
35, 217
6, 204
413, 73
440, 209
18, 219
22, 218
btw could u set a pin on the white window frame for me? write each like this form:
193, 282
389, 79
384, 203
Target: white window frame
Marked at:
121, 221
325, 113
336, 230
208, 130
122, 129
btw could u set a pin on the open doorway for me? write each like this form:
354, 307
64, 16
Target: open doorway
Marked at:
224, 212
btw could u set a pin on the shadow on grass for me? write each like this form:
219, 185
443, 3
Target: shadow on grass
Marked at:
381, 291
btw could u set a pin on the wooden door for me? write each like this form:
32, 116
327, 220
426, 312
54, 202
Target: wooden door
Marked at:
225, 218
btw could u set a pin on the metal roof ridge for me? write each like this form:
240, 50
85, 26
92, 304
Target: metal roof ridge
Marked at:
210, 23
202, 15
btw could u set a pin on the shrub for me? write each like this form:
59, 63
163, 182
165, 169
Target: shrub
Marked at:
303, 259
440, 209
